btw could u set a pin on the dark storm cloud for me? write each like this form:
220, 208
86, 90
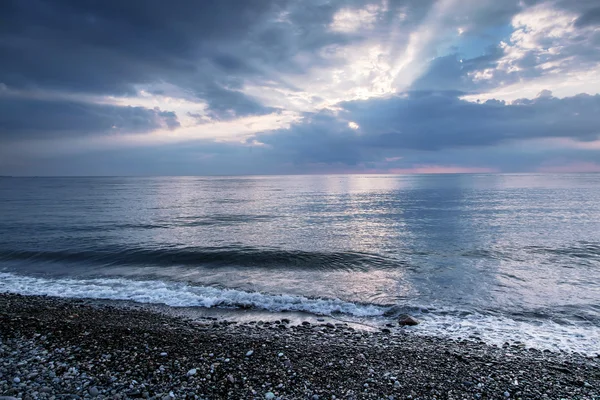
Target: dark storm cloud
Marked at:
153, 35
321, 138
590, 17
204, 47
209, 50
432, 121
108, 47
224, 104
22, 118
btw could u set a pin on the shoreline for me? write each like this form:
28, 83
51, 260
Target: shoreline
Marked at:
74, 348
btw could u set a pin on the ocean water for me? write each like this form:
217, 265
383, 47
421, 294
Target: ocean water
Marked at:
498, 257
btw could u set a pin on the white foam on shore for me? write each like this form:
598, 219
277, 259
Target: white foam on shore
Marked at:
177, 294
498, 330
544, 334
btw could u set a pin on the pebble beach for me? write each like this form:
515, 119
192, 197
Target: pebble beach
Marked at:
53, 348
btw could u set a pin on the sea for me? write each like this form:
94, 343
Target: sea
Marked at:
498, 258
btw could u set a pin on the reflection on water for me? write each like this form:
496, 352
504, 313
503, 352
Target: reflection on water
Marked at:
501, 243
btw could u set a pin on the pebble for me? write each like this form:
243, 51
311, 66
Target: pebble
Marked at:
324, 360
17, 380
407, 320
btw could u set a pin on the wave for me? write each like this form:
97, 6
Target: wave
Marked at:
492, 328
219, 220
177, 294
224, 220
582, 250
209, 257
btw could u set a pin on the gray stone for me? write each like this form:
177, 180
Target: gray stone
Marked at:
407, 320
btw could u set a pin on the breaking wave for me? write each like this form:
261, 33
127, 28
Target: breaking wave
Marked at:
177, 294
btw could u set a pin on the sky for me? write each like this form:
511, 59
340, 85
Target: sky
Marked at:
229, 87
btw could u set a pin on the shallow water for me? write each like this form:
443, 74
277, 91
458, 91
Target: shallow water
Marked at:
502, 257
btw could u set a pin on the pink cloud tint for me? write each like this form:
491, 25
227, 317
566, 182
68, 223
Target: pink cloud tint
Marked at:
441, 169
572, 167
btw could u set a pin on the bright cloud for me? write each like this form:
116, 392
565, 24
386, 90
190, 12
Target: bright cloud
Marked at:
350, 20
546, 50
415, 86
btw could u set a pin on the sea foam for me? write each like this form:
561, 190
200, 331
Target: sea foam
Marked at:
178, 294
498, 330
492, 329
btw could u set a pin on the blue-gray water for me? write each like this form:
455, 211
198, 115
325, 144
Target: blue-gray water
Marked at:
503, 257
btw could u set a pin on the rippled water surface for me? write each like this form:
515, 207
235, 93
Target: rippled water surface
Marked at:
503, 257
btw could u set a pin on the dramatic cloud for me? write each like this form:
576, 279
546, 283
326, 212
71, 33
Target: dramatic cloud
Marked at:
268, 86
433, 121
590, 17
112, 47
32, 118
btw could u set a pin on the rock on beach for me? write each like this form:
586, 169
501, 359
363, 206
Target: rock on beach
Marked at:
112, 350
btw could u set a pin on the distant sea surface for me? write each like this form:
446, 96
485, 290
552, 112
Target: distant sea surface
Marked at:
498, 257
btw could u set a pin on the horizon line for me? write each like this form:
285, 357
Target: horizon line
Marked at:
301, 174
